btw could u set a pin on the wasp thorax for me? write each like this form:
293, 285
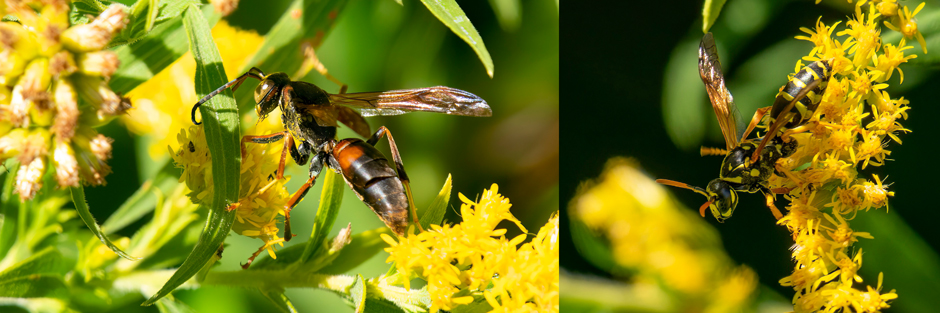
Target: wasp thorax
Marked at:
723, 199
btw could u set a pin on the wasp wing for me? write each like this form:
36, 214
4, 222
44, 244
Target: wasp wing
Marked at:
438, 99
354, 121
709, 68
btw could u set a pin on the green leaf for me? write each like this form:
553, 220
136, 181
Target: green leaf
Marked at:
148, 56
918, 278
171, 305
448, 12
280, 300
684, 107
35, 304
710, 12
279, 52
78, 198
144, 15
330, 200
46, 262
9, 209
434, 215
142, 201
220, 117
34, 286
357, 294
361, 248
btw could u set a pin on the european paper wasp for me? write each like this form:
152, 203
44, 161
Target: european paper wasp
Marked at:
749, 163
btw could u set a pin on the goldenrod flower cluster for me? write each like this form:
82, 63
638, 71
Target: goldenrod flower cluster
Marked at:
473, 257
261, 198
659, 243
54, 91
826, 190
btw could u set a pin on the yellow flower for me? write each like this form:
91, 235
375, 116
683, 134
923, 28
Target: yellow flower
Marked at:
47, 113
262, 197
906, 25
654, 240
473, 258
827, 193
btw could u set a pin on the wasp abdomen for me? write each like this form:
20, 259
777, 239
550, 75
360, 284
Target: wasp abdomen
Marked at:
817, 71
374, 181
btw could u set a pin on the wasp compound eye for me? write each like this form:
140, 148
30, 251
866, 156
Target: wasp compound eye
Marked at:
724, 199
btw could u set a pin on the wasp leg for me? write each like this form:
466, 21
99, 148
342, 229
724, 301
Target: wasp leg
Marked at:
758, 116
255, 255
769, 196
315, 167
288, 145
312, 62
795, 130
400, 167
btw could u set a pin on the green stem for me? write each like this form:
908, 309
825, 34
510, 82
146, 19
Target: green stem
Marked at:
280, 279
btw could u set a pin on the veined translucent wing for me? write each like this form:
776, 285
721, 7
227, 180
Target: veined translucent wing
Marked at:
709, 68
438, 99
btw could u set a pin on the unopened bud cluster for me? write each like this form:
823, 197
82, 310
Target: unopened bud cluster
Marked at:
54, 91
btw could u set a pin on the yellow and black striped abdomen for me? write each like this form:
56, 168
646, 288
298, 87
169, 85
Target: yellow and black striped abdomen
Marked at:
817, 71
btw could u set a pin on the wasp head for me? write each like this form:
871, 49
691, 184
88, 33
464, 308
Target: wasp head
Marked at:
268, 93
722, 199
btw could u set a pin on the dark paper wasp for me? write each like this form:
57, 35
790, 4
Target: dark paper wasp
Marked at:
749, 163
310, 117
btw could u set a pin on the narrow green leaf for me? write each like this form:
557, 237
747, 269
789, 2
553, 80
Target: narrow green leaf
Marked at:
148, 56
918, 278
684, 100
82, 9
220, 117
452, 15
34, 286
143, 200
280, 300
361, 247
171, 305
357, 294
78, 198
330, 200
9, 209
710, 12
434, 215
46, 262
35, 304
280, 51
144, 15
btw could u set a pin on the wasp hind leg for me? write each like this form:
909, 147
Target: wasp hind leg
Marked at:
400, 168
758, 116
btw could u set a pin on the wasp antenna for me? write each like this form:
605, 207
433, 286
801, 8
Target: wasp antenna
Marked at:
682, 185
705, 151
233, 83
701, 210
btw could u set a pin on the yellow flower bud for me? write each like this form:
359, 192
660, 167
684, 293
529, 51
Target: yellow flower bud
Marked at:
12, 143
67, 114
99, 63
66, 166
36, 79
29, 178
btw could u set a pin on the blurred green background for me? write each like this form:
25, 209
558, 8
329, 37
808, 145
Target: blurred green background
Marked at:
381, 45
622, 60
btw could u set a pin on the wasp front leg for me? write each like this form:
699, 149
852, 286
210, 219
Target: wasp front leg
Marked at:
399, 167
769, 196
